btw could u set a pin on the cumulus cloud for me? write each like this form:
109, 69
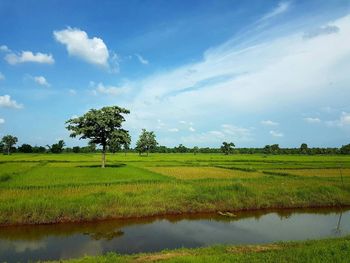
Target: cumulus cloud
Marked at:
324, 30
2, 121
276, 133
191, 129
29, 56
173, 129
92, 50
312, 120
141, 59
100, 88
281, 8
269, 123
4, 48
41, 81
7, 102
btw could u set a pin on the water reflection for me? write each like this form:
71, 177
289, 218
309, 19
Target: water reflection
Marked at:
153, 234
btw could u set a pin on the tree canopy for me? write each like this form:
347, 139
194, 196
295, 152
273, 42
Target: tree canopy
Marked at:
8, 141
102, 126
227, 147
146, 142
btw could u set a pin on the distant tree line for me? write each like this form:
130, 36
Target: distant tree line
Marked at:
147, 143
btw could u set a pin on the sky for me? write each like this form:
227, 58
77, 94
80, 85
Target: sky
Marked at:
195, 72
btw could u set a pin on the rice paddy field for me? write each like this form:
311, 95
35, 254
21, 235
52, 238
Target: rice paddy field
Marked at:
48, 188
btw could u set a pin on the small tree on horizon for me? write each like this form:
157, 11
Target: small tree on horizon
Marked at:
227, 147
100, 126
304, 148
8, 142
57, 147
146, 142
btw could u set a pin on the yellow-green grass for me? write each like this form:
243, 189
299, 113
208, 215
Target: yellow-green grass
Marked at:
50, 188
317, 172
188, 173
317, 251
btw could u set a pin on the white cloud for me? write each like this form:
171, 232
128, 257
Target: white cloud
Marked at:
312, 120
269, 123
276, 133
7, 102
100, 88
191, 129
28, 56
227, 132
41, 81
173, 129
4, 48
281, 8
244, 79
72, 91
2, 77
141, 59
2, 121
236, 132
78, 44
343, 121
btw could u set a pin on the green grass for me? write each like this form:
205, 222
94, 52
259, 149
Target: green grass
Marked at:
327, 250
48, 188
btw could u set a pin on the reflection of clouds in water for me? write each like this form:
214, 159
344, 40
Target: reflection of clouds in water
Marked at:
194, 233
295, 227
91, 248
21, 246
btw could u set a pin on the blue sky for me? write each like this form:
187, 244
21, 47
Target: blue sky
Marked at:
195, 72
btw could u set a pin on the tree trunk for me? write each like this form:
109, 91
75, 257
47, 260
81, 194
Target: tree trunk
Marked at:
103, 156
8, 150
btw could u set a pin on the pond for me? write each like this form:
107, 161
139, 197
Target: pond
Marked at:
62, 241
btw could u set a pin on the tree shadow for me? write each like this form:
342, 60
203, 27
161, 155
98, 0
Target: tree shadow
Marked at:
118, 165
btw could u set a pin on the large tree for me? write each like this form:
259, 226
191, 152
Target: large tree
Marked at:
8, 142
227, 147
146, 142
101, 127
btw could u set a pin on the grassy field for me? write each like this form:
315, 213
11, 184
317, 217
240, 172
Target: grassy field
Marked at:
328, 250
48, 188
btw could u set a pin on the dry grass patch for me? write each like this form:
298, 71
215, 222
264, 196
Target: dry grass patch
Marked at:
317, 172
160, 256
253, 248
188, 173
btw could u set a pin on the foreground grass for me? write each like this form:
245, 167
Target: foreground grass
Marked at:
327, 250
48, 188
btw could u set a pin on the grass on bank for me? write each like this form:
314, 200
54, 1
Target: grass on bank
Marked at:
51, 188
327, 250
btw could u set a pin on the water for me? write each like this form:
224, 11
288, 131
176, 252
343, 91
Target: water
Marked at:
61, 241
